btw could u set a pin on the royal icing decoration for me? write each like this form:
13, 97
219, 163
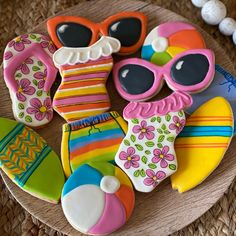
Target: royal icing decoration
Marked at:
95, 138
190, 71
223, 84
82, 92
104, 47
98, 198
147, 153
29, 73
202, 144
27, 159
72, 31
168, 40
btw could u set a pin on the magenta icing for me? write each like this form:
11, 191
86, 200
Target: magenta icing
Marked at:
89, 98
174, 102
36, 50
89, 76
167, 29
164, 73
113, 217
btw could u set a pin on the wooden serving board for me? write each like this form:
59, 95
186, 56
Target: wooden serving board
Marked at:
164, 210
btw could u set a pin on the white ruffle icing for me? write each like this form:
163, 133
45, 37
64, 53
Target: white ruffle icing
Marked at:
105, 46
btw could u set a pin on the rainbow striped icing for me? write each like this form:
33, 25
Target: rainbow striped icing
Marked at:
84, 73
169, 39
96, 138
202, 144
98, 198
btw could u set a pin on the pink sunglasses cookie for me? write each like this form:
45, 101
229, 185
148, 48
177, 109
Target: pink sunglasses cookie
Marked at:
29, 73
139, 80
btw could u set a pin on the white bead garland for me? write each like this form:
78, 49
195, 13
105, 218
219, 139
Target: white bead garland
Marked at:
227, 26
199, 3
214, 12
234, 37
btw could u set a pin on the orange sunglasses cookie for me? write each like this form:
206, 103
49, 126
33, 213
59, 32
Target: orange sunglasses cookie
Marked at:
128, 27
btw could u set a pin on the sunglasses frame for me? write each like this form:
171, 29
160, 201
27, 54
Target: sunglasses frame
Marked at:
162, 74
99, 28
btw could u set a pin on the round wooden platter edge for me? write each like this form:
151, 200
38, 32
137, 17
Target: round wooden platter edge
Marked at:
163, 211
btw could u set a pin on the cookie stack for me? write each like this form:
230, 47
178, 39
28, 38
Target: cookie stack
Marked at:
105, 155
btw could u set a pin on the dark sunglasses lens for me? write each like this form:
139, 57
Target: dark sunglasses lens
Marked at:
135, 79
127, 31
190, 69
73, 35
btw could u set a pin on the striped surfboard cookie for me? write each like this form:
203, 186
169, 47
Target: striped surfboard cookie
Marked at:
201, 145
82, 92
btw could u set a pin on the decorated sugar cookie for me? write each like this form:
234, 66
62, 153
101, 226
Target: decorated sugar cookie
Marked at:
27, 159
202, 144
96, 138
73, 31
84, 72
29, 73
168, 40
138, 80
147, 153
223, 84
98, 198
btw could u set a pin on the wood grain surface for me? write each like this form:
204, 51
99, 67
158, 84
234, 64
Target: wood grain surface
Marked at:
164, 210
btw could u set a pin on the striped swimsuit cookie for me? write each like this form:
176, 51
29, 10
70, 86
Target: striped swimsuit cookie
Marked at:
95, 138
84, 73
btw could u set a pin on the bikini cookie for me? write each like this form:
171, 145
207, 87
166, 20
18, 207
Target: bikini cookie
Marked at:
223, 84
98, 198
96, 138
84, 73
127, 27
202, 144
168, 40
29, 73
27, 159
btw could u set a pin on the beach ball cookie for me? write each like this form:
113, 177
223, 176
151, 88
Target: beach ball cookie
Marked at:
202, 144
29, 73
98, 198
169, 39
29, 162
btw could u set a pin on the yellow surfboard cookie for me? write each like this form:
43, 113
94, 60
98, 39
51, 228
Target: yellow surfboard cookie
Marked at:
202, 144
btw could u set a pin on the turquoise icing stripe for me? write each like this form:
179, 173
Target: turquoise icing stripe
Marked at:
23, 179
85, 174
203, 131
17, 129
147, 52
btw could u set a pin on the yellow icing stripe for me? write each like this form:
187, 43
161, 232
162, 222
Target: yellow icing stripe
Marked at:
86, 71
77, 160
122, 123
193, 170
65, 154
122, 177
201, 140
173, 51
80, 91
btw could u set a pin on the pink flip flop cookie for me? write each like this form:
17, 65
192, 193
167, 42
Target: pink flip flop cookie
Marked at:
29, 73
